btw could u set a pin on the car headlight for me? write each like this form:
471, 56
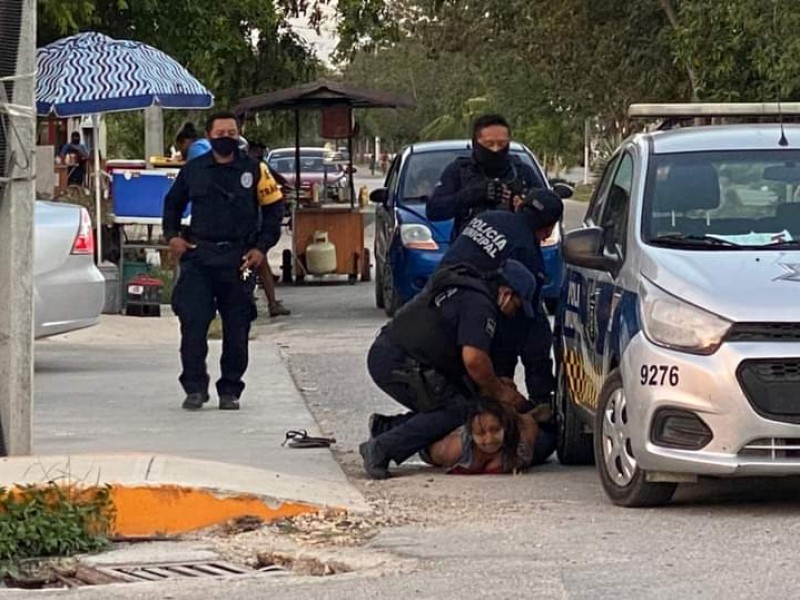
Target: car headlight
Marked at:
553, 239
673, 323
419, 237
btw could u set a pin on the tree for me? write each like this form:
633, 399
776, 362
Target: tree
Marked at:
236, 48
739, 50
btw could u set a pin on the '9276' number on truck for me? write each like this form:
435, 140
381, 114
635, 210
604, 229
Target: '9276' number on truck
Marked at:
660, 375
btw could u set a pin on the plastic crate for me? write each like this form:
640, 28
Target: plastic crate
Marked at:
143, 297
140, 193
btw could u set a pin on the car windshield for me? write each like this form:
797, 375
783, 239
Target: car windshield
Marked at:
723, 200
423, 170
309, 163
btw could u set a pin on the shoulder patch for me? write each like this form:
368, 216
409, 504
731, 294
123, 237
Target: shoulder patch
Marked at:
268, 190
491, 326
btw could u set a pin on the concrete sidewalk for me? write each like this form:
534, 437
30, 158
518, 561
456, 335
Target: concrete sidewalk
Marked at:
113, 389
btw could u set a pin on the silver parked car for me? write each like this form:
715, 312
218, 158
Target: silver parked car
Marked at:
678, 335
69, 290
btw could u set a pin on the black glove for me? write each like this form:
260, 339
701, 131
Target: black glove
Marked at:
498, 193
517, 188
473, 194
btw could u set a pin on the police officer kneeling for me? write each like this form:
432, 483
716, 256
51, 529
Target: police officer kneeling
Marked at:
236, 215
434, 359
488, 240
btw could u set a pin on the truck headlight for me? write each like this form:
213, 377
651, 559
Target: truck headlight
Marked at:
417, 236
673, 323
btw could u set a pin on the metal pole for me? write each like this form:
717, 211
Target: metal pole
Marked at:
297, 156
97, 193
350, 157
17, 195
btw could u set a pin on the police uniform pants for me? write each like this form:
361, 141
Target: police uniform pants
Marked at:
532, 341
210, 281
413, 431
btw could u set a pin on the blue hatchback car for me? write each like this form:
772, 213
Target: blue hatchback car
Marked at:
409, 247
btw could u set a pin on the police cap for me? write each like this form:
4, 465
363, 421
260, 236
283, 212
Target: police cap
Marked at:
521, 280
542, 207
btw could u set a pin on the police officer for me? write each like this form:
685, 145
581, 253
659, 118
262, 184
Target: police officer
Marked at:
491, 178
236, 216
488, 240
434, 359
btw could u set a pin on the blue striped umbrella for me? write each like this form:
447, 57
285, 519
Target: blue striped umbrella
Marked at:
91, 73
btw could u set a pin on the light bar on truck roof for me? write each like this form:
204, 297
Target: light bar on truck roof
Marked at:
714, 109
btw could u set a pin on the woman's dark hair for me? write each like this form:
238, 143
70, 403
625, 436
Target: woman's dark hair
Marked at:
187, 132
485, 121
511, 433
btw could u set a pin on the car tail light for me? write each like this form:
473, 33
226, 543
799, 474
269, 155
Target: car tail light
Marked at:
84, 241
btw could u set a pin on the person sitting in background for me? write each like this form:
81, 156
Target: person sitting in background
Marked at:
75, 155
190, 144
493, 440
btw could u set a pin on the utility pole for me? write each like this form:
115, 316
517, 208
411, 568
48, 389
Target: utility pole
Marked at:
17, 195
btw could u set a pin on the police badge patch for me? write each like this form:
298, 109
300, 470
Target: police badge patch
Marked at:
247, 180
491, 327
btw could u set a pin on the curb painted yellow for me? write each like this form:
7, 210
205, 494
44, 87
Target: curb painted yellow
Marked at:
171, 509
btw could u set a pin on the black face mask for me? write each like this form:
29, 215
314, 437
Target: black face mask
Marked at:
224, 146
494, 163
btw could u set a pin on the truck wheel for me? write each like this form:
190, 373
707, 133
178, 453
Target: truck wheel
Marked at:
574, 446
623, 480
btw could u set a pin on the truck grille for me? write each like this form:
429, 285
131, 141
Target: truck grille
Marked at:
772, 387
764, 332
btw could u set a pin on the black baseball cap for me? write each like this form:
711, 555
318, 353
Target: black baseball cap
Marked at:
542, 207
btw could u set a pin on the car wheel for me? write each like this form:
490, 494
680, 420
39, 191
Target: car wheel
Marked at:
574, 446
623, 480
379, 299
391, 299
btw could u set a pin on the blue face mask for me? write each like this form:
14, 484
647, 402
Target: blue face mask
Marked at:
224, 146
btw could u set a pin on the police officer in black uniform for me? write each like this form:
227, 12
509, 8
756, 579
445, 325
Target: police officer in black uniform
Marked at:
488, 240
236, 216
489, 179
434, 359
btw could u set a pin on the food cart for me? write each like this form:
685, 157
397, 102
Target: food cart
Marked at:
343, 226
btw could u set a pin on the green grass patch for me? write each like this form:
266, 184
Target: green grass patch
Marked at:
40, 521
582, 193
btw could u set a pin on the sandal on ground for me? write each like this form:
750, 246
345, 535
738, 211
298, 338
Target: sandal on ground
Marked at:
301, 439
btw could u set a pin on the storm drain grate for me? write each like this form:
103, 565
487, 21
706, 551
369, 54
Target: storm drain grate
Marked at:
182, 570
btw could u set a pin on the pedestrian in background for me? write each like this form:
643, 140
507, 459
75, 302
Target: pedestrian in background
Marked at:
256, 151
190, 144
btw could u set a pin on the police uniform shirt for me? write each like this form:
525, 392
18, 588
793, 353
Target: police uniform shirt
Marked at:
226, 200
469, 316
493, 237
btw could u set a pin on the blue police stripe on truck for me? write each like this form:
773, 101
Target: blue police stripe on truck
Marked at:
587, 306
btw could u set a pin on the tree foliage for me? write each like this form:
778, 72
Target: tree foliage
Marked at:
740, 50
236, 48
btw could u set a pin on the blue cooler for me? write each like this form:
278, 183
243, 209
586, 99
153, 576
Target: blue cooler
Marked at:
140, 193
